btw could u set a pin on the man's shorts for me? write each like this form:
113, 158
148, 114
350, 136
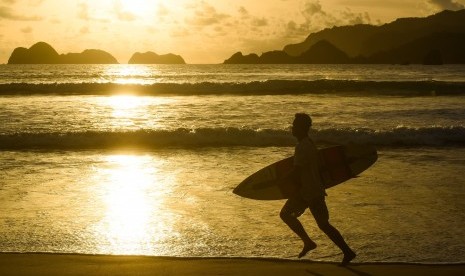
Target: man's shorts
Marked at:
296, 206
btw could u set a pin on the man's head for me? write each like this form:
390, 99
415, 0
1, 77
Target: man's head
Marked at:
301, 125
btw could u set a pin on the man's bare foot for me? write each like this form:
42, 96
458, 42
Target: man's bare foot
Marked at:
348, 256
307, 247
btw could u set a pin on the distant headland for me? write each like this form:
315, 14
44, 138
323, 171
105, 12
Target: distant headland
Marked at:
436, 39
153, 58
44, 53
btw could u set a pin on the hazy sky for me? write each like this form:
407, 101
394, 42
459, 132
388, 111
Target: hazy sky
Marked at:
202, 31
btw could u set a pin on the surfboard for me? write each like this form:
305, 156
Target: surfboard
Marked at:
337, 165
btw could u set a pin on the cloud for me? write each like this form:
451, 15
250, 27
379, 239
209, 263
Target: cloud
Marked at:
312, 8
250, 21
296, 30
55, 21
151, 29
84, 30
123, 15
7, 13
352, 18
244, 13
162, 11
83, 13
259, 22
35, 3
317, 18
26, 30
180, 32
447, 4
206, 15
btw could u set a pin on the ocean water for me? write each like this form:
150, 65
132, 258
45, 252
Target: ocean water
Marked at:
142, 160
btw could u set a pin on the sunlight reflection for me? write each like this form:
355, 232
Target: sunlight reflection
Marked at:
134, 219
127, 109
122, 104
130, 112
130, 74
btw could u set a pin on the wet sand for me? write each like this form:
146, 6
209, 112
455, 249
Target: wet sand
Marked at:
73, 264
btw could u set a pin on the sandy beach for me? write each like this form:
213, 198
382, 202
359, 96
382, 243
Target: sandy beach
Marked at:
73, 264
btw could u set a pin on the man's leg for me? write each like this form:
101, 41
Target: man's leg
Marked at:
289, 214
320, 213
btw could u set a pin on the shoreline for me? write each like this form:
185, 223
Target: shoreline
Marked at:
83, 264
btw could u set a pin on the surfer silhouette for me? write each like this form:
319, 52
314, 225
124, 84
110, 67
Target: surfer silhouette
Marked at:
311, 193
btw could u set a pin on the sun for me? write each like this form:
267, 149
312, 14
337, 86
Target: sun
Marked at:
138, 7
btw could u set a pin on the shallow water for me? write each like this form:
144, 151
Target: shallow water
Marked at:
106, 202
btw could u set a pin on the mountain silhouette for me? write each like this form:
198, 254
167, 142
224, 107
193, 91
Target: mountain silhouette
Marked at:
153, 58
276, 57
43, 53
436, 39
448, 47
366, 40
240, 58
346, 38
323, 52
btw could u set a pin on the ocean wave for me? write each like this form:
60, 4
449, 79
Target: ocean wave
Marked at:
269, 87
230, 137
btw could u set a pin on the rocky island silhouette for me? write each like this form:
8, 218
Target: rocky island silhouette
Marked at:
153, 58
44, 53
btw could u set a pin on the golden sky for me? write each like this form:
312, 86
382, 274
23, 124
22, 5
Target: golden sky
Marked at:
201, 31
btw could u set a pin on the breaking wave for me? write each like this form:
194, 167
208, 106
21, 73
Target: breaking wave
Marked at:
227, 137
269, 87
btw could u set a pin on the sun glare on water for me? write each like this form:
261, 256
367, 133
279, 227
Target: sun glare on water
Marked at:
126, 110
133, 192
125, 103
130, 74
130, 112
